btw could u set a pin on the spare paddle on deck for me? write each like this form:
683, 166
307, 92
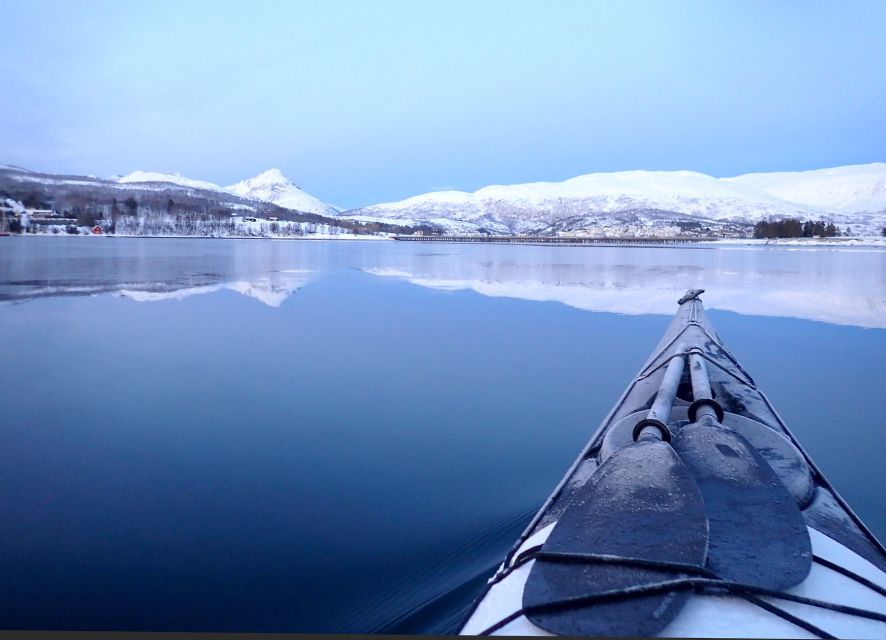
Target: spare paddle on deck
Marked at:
641, 504
757, 533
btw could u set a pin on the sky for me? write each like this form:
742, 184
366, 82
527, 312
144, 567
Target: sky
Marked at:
375, 101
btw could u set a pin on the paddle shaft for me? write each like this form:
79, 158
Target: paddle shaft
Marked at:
661, 408
704, 408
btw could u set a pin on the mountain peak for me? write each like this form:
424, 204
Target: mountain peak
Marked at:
269, 186
271, 176
273, 186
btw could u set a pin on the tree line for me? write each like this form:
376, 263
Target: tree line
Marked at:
794, 228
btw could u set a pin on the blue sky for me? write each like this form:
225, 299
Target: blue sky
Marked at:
365, 102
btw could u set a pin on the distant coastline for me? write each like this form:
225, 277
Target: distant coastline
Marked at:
824, 243
845, 201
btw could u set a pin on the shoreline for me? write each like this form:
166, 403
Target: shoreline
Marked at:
854, 241
195, 237
851, 241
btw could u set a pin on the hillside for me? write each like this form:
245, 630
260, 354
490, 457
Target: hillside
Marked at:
852, 196
144, 203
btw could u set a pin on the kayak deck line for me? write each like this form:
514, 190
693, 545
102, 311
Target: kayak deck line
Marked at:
749, 382
535, 551
842, 593
720, 591
716, 585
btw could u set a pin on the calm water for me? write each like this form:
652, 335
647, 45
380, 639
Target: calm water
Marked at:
347, 436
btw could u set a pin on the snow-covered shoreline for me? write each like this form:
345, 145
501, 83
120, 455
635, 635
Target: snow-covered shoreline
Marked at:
825, 243
856, 241
315, 236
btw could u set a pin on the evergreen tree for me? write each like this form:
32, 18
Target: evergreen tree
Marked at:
807, 229
794, 228
86, 218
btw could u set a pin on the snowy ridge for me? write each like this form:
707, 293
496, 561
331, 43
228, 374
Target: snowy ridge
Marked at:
851, 195
272, 186
171, 178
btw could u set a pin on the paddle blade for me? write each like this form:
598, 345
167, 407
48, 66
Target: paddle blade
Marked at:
641, 503
757, 533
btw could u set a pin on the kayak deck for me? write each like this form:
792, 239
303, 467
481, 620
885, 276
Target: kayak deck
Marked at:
843, 593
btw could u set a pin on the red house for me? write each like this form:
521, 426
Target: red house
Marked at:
97, 230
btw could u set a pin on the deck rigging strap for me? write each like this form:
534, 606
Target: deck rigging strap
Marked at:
708, 583
873, 586
692, 321
763, 604
682, 354
532, 553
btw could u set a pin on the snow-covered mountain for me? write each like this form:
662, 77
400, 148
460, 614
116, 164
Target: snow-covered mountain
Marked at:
273, 186
163, 204
149, 177
849, 196
653, 202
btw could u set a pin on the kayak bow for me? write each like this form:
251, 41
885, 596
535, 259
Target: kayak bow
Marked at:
692, 512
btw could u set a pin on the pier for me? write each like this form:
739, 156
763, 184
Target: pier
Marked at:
621, 240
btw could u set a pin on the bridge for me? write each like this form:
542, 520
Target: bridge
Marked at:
621, 240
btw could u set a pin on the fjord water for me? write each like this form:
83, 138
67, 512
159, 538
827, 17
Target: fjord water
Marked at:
238, 435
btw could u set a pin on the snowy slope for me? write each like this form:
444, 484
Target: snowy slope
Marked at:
682, 191
273, 186
851, 189
168, 204
171, 178
650, 198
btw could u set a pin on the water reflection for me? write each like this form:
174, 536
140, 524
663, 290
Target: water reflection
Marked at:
271, 290
637, 292
834, 285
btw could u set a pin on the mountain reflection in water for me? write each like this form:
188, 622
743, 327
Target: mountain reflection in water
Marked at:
835, 285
